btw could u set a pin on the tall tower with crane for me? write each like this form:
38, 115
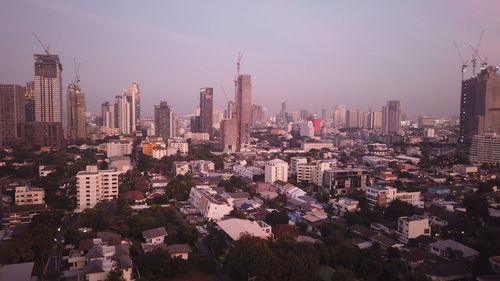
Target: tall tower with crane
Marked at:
76, 107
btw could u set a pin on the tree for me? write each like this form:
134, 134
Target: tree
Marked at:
344, 274
476, 205
188, 234
275, 218
237, 214
115, 275
398, 208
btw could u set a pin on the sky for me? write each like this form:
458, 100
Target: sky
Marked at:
311, 54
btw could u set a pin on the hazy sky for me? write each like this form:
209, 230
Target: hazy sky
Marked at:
312, 54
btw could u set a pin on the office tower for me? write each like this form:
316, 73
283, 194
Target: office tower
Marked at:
30, 102
94, 186
480, 105
76, 112
229, 135
243, 110
375, 120
108, 116
323, 114
391, 118
228, 113
12, 113
304, 114
485, 149
134, 99
283, 107
352, 119
164, 121
364, 119
206, 123
123, 115
48, 88
339, 116
316, 123
257, 115
276, 170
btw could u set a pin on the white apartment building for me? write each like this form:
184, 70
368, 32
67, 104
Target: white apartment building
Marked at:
305, 172
313, 172
178, 144
118, 148
247, 171
383, 196
295, 161
276, 169
344, 205
412, 227
181, 168
485, 149
25, 195
202, 165
94, 186
209, 203
316, 145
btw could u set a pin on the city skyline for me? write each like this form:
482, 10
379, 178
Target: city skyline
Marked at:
278, 69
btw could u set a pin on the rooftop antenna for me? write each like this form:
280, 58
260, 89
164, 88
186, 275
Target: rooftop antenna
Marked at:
77, 71
45, 48
464, 63
476, 50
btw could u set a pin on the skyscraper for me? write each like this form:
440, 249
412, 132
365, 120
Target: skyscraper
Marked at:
229, 112
375, 120
48, 88
243, 109
123, 115
108, 116
206, 110
391, 118
352, 118
164, 121
76, 112
257, 115
304, 114
339, 116
12, 113
30, 102
134, 98
480, 105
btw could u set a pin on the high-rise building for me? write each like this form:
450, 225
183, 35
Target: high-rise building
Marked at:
257, 115
134, 99
108, 116
304, 114
229, 112
229, 135
375, 120
12, 113
30, 102
323, 114
123, 115
206, 110
339, 116
480, 105
316, 123
217, 117
352, 118
164, 121
391, 118
48, 88
485, 149
243, 109
76, 112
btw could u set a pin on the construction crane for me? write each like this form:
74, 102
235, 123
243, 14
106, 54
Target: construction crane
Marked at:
464, 62
484, 62
238, 63
476, 50
77, 72
224, 92
46, 49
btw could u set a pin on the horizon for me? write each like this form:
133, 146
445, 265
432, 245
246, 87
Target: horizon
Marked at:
295, 51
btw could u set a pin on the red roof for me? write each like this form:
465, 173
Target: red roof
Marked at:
134, 195
282, 229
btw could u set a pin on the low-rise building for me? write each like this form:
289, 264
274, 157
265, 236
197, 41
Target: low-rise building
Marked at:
202, 165
181, 168
344, 205
451, 249
209, 203
307, 146
25, 195
234, 228
179, 145
412, 227
383, 196
464, 169
342, 181
295, 161
118, 148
